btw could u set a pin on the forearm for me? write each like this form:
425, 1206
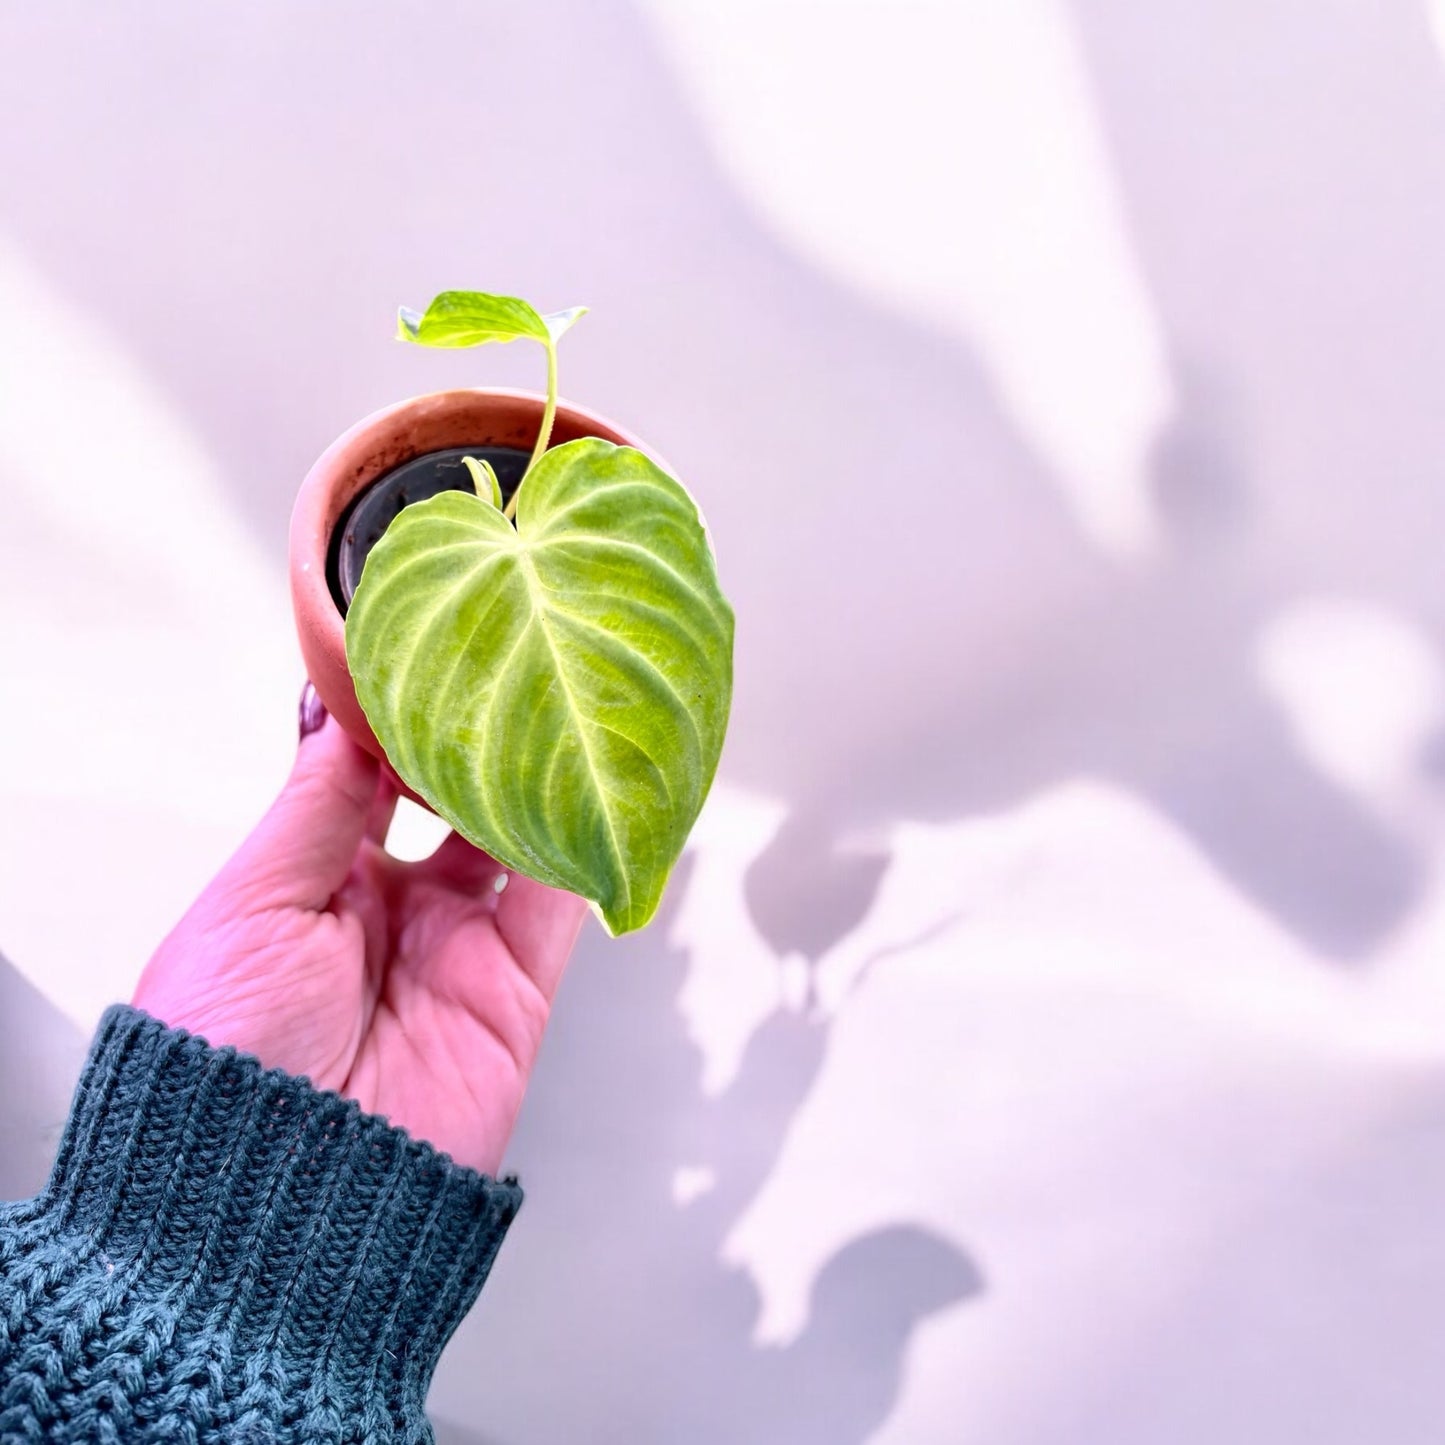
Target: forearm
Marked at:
225, 1249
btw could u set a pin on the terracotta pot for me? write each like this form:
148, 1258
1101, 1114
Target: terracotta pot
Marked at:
373, 447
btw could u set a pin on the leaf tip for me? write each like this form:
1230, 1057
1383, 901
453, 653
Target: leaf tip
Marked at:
557, 322
408, 323
617, 919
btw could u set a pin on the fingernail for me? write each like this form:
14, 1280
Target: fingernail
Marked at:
312, 712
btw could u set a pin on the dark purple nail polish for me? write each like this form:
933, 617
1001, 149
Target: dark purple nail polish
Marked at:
312, 713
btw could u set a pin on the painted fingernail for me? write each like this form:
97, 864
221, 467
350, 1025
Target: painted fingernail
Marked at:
312, 712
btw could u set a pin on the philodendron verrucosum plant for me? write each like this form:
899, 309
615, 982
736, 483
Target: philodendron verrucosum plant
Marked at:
553, 678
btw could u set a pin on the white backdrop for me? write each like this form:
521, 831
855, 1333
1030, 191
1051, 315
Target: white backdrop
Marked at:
1044, 1040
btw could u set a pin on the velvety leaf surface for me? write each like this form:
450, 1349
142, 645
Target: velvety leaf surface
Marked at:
558, 692
472, 318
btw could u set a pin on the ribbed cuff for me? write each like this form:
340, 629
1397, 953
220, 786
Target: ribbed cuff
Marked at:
268, 1220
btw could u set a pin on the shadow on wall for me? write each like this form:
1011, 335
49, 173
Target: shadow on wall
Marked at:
676, 1319
1292, 247
41, 1052
1295, 1325
923, 632
609, 1316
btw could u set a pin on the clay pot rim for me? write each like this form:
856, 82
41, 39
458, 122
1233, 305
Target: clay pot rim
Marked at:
365, 435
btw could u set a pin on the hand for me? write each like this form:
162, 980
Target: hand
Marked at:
416, 989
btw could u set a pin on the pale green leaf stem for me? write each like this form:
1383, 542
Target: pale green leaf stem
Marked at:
544, 432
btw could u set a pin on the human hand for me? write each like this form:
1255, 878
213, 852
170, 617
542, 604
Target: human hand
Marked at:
416, 989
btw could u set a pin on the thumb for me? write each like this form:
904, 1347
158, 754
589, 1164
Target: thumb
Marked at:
301, 851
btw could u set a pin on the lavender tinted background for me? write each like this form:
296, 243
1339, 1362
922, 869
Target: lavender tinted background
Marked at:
1045, 1040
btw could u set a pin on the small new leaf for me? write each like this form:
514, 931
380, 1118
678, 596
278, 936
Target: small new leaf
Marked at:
473, 318
484, 479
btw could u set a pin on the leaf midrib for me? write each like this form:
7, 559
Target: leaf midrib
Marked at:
539, 612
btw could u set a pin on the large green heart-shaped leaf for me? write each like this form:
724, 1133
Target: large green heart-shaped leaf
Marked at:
557, 691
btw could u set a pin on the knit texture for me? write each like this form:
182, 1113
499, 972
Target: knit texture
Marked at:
226, 1254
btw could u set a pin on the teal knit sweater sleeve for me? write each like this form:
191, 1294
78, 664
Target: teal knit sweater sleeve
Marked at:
225, 1255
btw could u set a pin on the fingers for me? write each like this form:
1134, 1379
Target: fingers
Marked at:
539, 925
302, 850
464, 867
